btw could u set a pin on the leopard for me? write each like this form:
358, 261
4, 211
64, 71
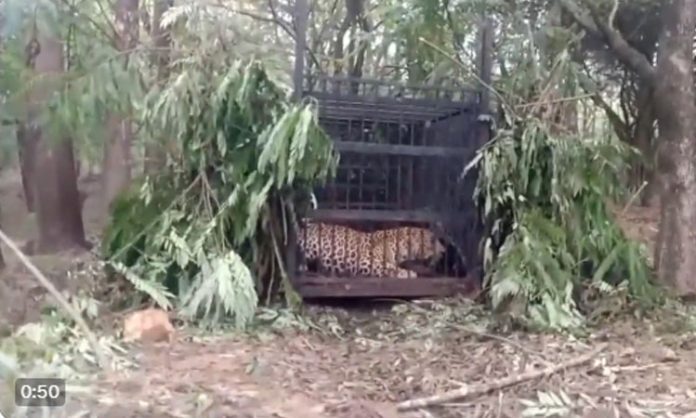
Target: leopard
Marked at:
341, 250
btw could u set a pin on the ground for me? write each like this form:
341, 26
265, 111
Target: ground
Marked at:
361, 360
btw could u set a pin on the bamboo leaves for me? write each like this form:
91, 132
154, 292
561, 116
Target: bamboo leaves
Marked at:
247, 146
544, 193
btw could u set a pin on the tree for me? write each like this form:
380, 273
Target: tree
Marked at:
117, 155
26, 140
154, 153
676, 107
675, 104
26, 148
640, 24
55, 182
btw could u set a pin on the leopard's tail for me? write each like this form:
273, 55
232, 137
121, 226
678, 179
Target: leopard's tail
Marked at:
299, 225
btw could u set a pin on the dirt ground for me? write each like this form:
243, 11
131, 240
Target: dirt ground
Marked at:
401, 354
359, 361
21, 296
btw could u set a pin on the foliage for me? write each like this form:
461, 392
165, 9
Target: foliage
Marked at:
54, 347
98, 78
402, 43
208, 231
10, 76
198, 234
544, 190
218, 31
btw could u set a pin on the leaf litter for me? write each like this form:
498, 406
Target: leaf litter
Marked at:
360, 361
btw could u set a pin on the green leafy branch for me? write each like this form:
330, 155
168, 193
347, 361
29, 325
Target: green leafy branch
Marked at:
212, 246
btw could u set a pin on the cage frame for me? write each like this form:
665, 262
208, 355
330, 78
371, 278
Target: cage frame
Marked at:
318, 286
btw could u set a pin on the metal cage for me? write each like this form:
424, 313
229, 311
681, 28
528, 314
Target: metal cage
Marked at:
402, 150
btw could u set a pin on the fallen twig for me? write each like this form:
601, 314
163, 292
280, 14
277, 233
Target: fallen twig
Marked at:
483, 388
43, 281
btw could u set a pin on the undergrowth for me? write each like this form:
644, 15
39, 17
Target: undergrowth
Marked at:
207, 234
544, 190
55, 347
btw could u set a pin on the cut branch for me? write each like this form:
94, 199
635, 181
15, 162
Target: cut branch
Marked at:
45, 283
483, 388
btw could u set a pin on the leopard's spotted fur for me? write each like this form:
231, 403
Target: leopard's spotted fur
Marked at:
341, 250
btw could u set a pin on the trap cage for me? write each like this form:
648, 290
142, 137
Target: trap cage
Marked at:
402, 152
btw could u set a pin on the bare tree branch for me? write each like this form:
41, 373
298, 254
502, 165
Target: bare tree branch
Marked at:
274, 19
594, 24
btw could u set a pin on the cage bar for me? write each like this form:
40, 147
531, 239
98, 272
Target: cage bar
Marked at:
397, 219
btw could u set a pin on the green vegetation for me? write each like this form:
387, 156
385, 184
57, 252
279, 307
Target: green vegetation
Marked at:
544, 189
211, 227
206, 233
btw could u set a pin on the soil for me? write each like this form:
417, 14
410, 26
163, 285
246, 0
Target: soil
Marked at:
21, 297
360, 361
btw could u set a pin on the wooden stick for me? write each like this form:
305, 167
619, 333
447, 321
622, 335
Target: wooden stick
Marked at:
483, 388
44, 282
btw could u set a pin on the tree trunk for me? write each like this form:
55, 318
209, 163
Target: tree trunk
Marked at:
2, 256
26, 147
566, 116
643, 135
55, 183
117, 155
155, 156
675, 253
27, 136
117, 170
58, 200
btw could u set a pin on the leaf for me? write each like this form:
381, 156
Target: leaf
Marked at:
605, 265
151, 288
242, 148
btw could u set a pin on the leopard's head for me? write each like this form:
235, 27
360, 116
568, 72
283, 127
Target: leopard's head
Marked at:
424, 244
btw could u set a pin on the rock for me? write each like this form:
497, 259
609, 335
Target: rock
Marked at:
148, 325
